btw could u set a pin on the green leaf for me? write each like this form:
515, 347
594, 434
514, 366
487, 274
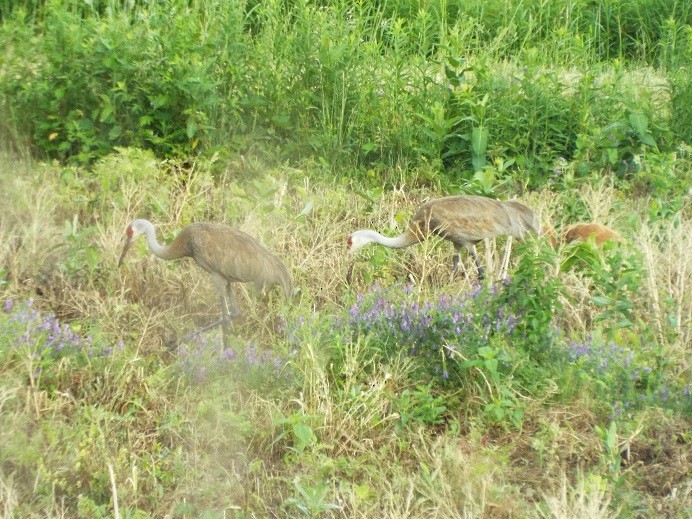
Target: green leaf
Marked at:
639, 122
307, 209
612, 156
485, 177
471, 364
362, 491
282, 121
491, 365
106, 113
115, 132
648, 140
602, 300
478, 162
191, 129
486, 352
479, 140
303, 434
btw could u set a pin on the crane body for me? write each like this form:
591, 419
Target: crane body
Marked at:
583, 231
228, 255
463, 220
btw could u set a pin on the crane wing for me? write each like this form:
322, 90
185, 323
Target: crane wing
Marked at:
463, 219
234, 255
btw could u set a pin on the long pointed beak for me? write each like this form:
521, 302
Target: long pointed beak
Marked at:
125, 249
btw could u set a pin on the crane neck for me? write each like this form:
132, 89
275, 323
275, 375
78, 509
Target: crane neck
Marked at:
398, 242
150, 235
166, 252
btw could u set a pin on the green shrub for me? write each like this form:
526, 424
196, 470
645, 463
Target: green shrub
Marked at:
495, 341
80, 85
452, 86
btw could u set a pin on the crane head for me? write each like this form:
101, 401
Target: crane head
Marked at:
359, 238
128, 242
133, 230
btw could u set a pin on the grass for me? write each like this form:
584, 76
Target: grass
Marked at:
302, 417
382, 389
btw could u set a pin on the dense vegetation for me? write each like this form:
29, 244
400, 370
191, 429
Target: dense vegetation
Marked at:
383, 389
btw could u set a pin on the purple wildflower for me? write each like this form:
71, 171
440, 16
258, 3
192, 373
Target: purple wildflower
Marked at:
201, 374
664, 393
617, 411
228, 354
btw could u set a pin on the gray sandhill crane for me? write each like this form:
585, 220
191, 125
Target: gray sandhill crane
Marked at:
463, 219
228, 255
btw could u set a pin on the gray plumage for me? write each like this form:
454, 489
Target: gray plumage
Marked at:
228, 255
463, 219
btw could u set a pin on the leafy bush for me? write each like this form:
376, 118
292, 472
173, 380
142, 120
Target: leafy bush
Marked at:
452, 86
420, 407
494, 340
80, 85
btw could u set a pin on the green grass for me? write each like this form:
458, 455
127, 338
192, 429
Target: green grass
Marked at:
310, 414
382, 389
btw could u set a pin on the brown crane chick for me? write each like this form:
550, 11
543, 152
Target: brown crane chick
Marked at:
584, 231
228, 255
463, 219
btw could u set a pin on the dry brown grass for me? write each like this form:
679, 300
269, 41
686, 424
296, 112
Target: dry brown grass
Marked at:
667, 250
374, 469
584, 500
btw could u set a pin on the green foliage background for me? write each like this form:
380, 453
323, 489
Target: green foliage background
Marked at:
356, 84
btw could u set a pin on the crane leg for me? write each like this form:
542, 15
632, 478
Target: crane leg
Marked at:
455, 261
229, 311
505, 260
481, 272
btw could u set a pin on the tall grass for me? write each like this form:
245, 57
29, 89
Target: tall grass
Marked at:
353, 85
304, 413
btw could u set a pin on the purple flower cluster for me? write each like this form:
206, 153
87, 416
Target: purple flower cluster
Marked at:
626, 379
398, 316
603, 357
26, 325
207, 354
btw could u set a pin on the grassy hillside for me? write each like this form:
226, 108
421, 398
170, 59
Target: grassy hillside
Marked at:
383, 388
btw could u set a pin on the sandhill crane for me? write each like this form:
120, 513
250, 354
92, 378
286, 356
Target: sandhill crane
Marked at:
463, 219
228, 255
583, 231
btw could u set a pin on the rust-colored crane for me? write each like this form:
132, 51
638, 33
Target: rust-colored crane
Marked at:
463, 219
584, 231
228, 255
